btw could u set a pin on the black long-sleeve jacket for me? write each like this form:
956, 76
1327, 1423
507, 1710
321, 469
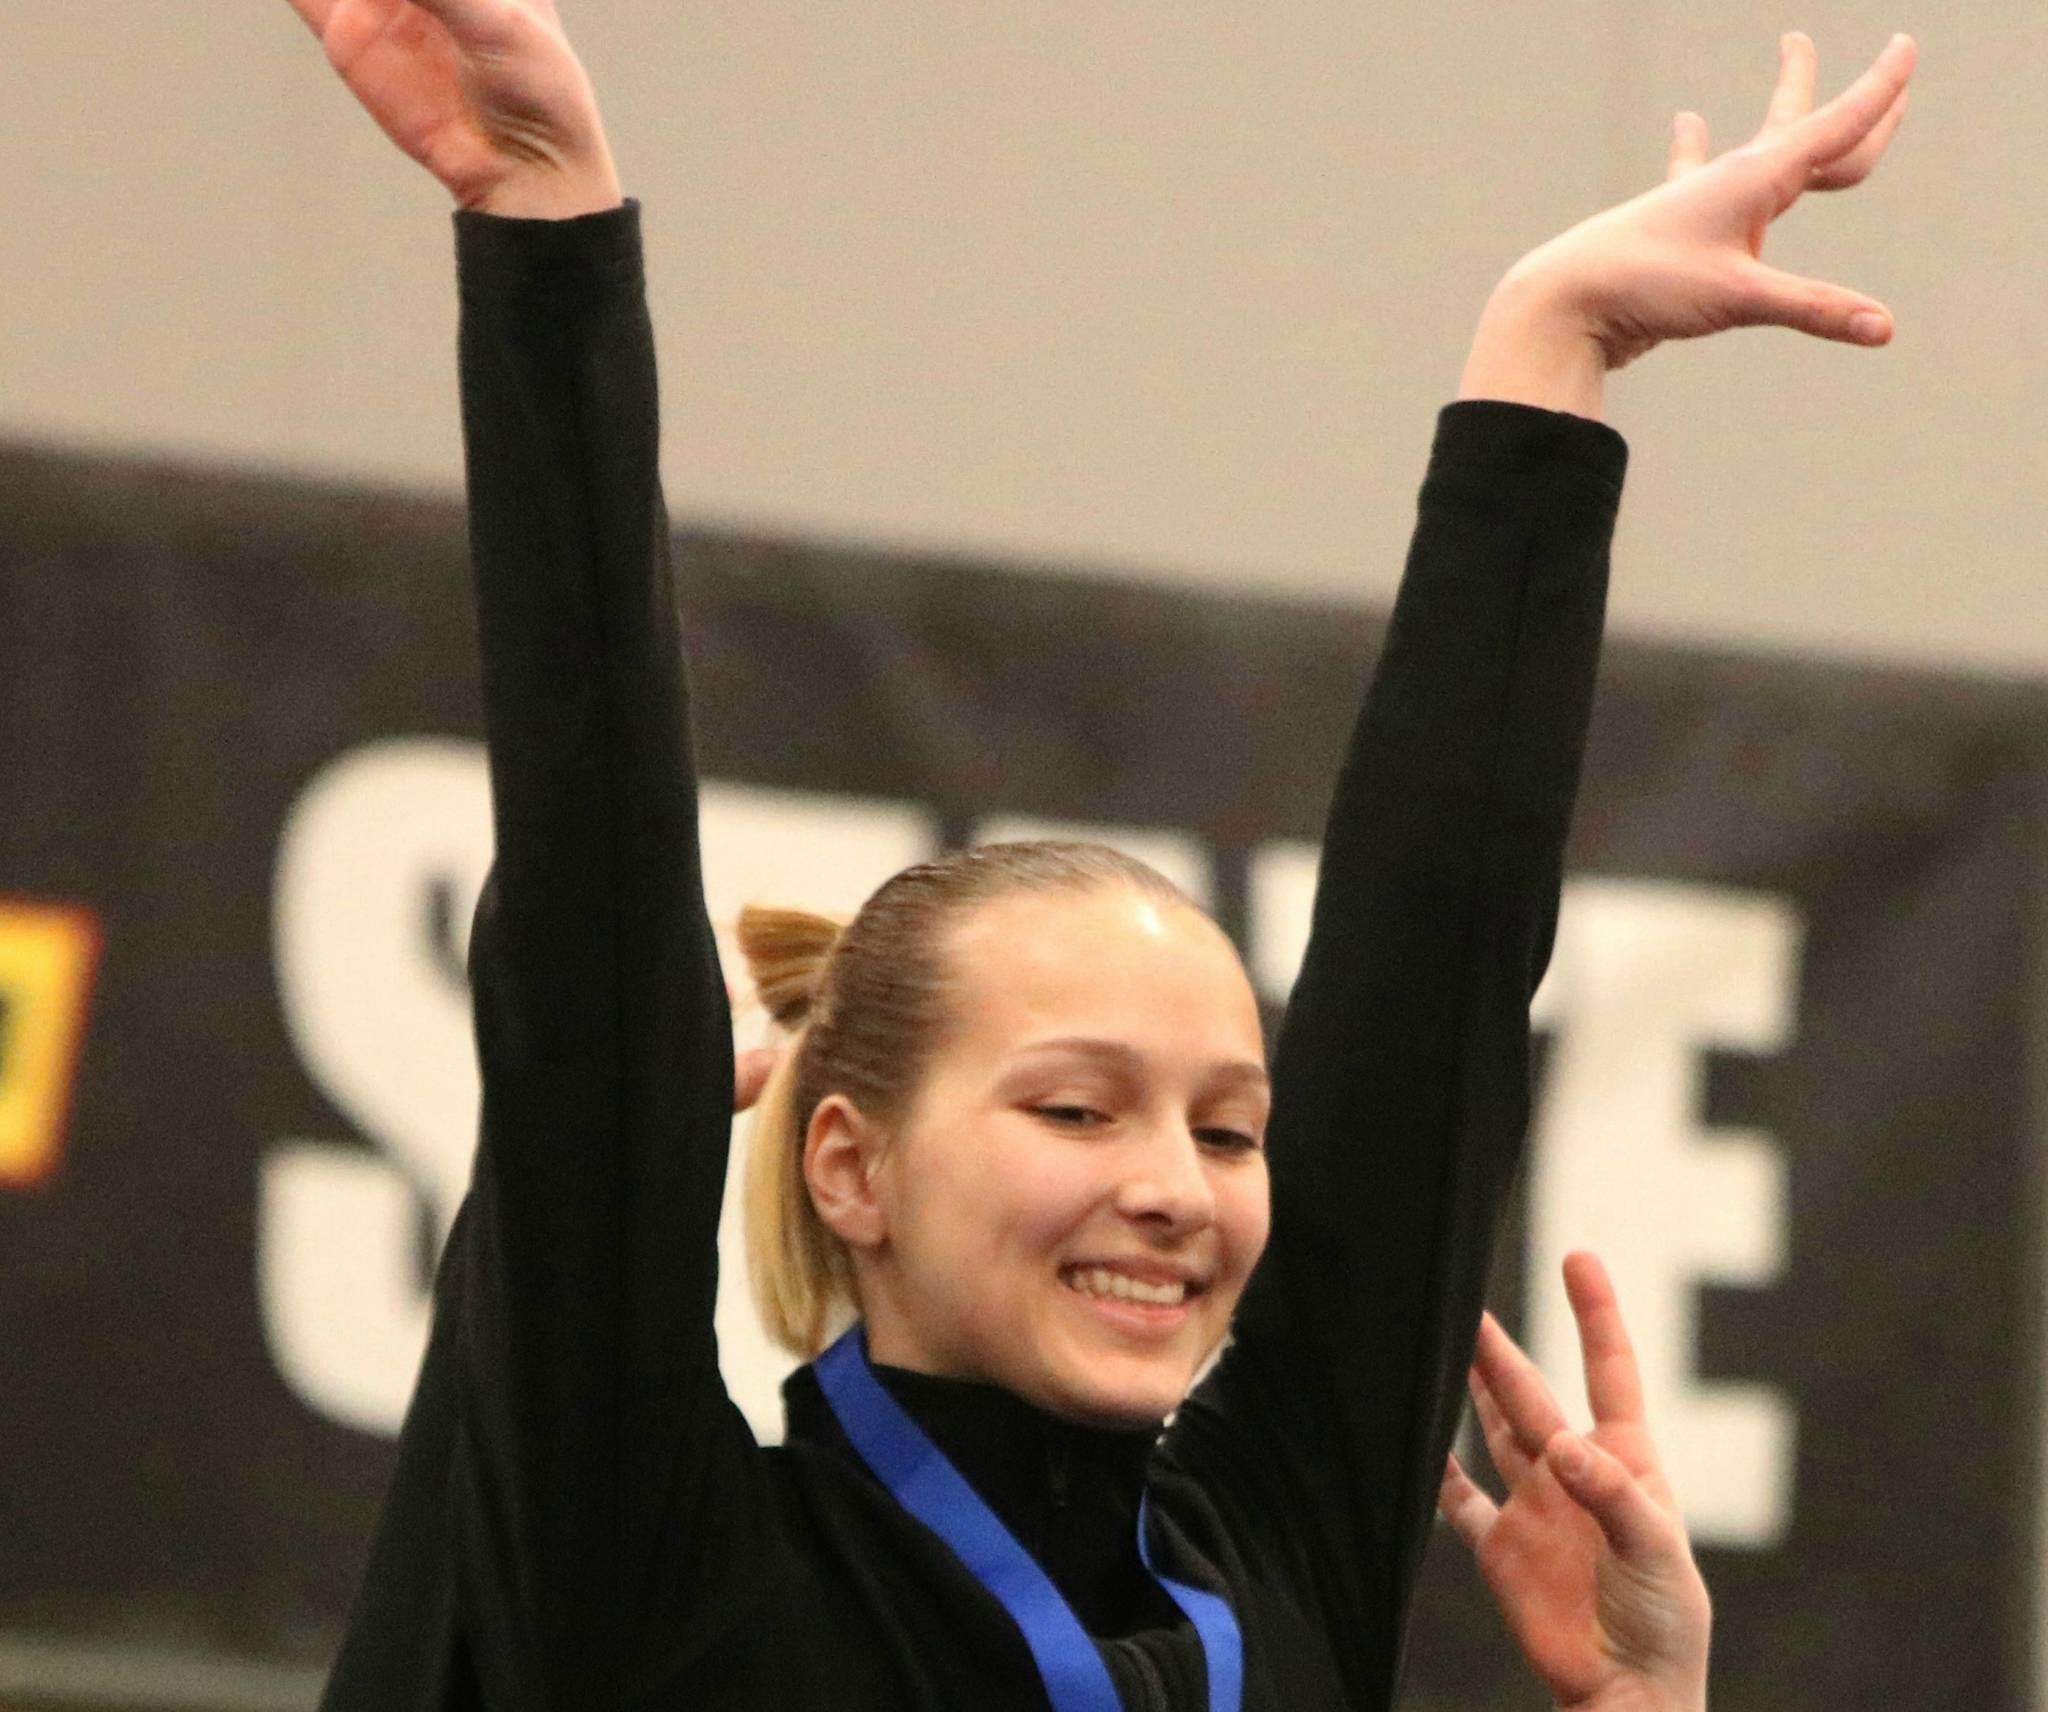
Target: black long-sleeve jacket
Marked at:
580, 1517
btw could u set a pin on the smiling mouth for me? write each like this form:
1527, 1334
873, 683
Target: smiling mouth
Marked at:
1102, 1283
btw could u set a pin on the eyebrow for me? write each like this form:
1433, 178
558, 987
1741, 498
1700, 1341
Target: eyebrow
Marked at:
1128, 1060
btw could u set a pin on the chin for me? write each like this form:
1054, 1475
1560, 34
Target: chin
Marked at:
1115, 1400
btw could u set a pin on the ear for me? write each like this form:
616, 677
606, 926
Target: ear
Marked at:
842, 1147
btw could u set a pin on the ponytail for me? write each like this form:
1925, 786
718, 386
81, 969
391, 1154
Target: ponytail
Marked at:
798, 1269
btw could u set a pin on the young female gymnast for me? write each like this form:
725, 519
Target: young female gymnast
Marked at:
1023, 1122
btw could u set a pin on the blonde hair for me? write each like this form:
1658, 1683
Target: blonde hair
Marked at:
863, 1003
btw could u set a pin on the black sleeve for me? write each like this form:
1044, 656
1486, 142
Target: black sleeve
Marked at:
1401, 1077
600, 1472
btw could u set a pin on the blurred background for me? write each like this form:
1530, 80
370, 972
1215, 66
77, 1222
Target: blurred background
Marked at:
1052, 386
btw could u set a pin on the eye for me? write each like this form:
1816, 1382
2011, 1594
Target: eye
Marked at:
1070, 1117
1228, 1140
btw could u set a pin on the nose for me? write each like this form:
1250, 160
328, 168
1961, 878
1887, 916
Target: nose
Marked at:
1166, 1183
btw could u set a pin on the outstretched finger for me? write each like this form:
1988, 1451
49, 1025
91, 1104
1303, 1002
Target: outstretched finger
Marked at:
1770, 298
1461, 1503
1861, 161
1526, 1404
1509, 1458
1614, 1386
1844, 122
1641, 1533
1792, 99
1689, 145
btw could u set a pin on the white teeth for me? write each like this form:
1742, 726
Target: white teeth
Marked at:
1100, 1281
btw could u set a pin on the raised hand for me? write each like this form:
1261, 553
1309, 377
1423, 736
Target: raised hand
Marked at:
487, 95
750, 1069
1686, 259
1587, 1557
750, 1072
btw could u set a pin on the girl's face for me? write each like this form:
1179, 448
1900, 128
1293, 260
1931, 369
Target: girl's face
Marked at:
1078, 1193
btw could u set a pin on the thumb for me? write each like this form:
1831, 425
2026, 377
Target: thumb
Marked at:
477, 24
1655, 1612
1640, 1532
1771, 298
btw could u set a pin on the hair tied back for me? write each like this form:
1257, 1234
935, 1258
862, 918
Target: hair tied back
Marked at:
787, 951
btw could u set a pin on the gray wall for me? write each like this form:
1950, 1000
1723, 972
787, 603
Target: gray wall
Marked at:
1164, 286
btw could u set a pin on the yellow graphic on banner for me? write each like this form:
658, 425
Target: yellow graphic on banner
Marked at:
47, 952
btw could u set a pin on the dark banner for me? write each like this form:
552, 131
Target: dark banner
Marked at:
1786, 1081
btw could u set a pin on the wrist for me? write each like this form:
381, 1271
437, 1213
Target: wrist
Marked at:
1680, 1689
1638, 1699
1535, 345
553, 193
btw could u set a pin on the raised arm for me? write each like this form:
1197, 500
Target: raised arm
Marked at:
592, 1430
1401, 1074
